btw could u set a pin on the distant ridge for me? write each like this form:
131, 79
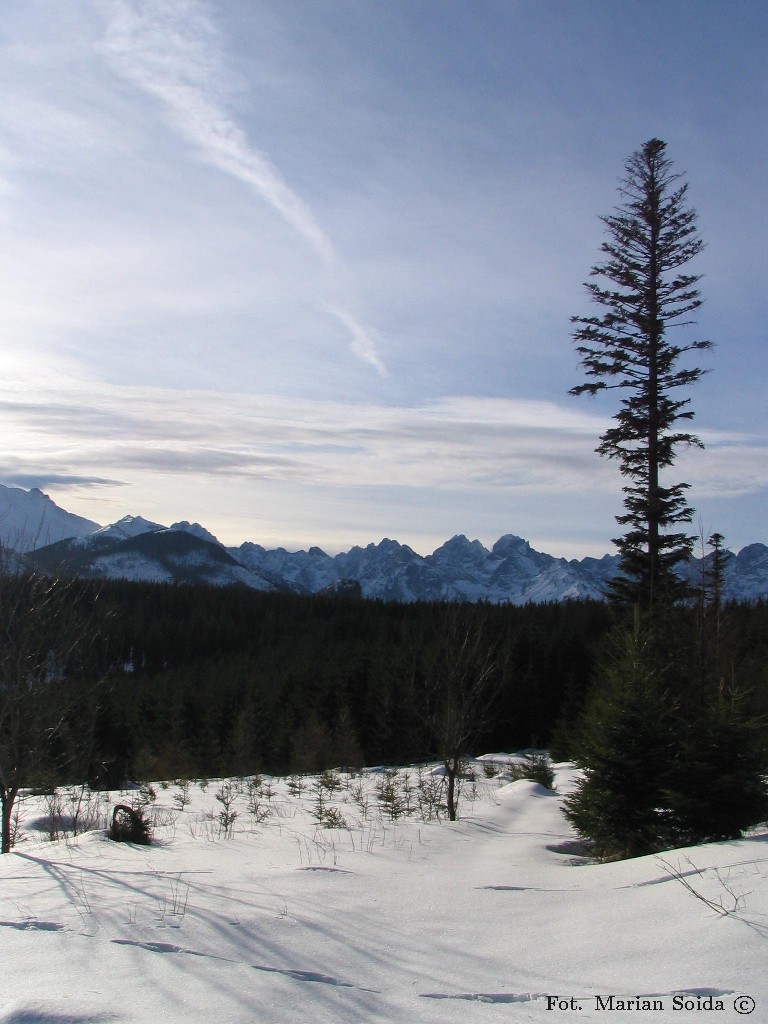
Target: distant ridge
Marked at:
459, 570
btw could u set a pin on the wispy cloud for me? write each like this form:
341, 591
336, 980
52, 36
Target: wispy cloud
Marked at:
463, 442
44, 479
454, 442
172, 51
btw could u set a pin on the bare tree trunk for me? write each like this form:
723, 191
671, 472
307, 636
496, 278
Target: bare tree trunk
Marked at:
451, 771
460, 677
7, 801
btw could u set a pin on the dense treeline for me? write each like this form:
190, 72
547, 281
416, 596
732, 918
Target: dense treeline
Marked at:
217, 681
183, 680
213, 681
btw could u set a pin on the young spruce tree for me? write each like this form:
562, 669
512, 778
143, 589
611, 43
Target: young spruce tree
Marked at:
625, 745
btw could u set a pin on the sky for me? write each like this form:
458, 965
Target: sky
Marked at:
303, 272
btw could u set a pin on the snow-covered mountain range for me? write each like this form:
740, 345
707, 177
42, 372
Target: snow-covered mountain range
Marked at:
458, 570
461, 569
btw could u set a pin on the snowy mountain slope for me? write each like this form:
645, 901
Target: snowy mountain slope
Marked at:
158, 556
746, 573
175, 555
391, 571
465, 563
527, 575
197, 531
30, 519
304, 571
492, 919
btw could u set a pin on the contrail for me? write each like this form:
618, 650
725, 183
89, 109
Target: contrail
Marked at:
170, 50
362, 344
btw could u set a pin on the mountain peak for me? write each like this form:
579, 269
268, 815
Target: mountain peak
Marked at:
130, 526
753, 554
31, 519
460, 550
197, 531
510, 542
458, 540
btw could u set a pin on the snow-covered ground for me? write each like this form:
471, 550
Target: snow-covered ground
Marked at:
493, 918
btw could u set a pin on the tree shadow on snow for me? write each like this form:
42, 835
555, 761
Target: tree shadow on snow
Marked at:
487, 997
33, 926
314, 977
38, 1015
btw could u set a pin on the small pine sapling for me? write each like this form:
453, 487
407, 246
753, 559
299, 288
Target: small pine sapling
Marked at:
226, 795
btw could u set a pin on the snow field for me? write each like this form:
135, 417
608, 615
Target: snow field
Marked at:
408, 920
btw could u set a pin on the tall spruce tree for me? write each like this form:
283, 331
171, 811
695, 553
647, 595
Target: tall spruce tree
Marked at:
644, 293
655, 715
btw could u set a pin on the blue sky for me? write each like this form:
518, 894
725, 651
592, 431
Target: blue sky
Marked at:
303, 271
